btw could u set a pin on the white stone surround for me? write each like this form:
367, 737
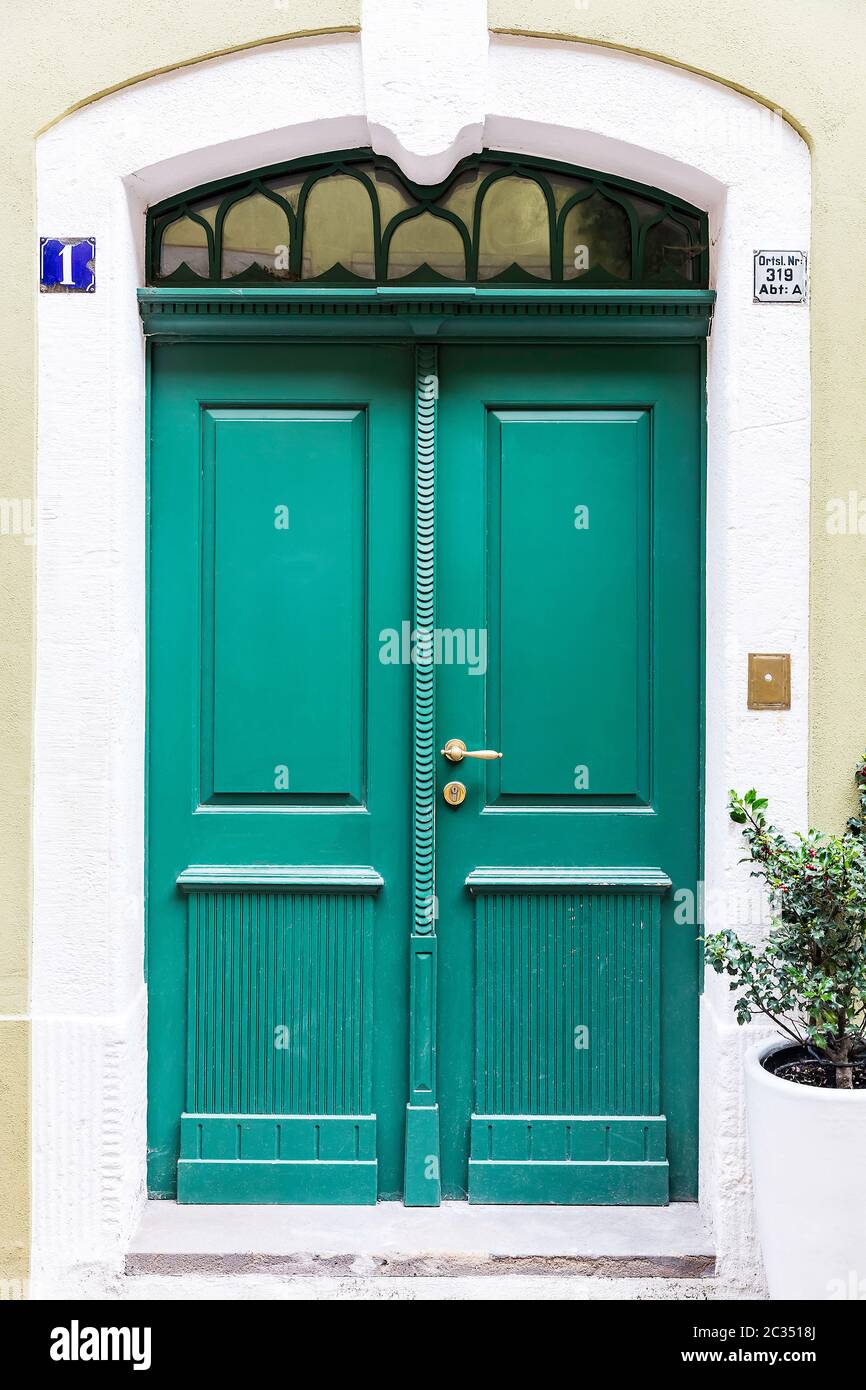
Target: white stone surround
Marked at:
423, 86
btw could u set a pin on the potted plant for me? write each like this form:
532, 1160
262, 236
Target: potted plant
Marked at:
806, 1092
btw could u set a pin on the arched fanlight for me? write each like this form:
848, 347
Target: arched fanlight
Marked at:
352, 218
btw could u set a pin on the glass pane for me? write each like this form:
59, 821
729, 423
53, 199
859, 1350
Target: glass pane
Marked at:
664, 250
460, 198
184, 241
644, 208
564, 188
429, 241
393, 197
338, 228
596, 236
288, 186
255, 232
514, 229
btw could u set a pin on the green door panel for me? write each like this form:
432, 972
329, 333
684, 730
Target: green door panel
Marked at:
278, 845
568, 519
569, 496
304, 471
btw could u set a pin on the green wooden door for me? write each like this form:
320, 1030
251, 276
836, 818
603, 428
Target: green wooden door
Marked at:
281, 746
279, 772
568, 506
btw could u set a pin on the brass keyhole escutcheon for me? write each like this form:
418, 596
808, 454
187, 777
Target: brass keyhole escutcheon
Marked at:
454, 793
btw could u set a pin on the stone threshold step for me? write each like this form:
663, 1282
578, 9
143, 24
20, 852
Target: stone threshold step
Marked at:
393, 1241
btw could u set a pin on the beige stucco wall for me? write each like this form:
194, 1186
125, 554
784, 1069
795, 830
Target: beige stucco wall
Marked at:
111, 43
803, 57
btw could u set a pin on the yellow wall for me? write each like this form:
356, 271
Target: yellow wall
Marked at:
802, 56
115, 43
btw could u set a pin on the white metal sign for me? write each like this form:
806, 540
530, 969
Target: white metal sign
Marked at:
780, 277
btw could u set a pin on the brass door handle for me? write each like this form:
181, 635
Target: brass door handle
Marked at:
455, 751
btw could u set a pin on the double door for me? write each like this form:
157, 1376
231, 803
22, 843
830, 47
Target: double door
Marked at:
376, 970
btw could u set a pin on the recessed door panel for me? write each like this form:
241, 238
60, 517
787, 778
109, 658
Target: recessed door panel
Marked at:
284, 604
568, 603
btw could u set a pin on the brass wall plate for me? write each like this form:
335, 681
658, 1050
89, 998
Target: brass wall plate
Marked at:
769, 680
454, 793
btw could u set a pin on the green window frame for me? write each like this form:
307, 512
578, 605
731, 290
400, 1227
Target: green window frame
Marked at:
498, 219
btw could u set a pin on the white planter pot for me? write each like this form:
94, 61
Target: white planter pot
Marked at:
808, 1151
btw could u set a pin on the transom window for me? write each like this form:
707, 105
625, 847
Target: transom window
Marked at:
352, 218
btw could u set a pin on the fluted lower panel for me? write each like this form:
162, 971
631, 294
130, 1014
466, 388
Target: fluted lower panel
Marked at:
567, 1012
280, 1003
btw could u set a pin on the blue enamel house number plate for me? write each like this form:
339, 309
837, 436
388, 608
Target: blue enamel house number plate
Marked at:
67, 263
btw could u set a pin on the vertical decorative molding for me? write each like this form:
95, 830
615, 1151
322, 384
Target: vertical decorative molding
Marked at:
423, 773
422, 1187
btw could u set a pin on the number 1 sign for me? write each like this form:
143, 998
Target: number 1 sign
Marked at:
67, 263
